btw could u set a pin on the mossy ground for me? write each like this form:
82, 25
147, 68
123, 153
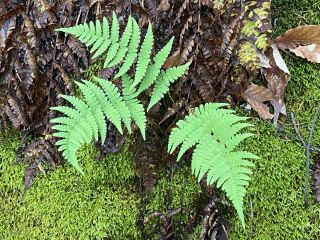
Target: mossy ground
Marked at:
65, 205
277, 208
103, 203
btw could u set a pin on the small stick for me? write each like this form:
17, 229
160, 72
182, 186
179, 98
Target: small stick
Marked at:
308, 147
308, 156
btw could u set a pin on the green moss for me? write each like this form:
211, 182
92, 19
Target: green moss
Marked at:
65, 205
196, 233
276, 191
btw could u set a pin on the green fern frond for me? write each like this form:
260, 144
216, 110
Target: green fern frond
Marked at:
104, 42
132, 49
144, 57
116, 100
114, 37
134, 105
86, 119
153, 70
214, 133
123, 45
163, 82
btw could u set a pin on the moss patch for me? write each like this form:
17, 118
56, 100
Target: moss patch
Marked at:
65, 205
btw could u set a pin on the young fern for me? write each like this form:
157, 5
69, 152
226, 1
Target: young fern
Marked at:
86, 119
213, 131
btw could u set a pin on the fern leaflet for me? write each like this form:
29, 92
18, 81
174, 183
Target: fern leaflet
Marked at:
153, 70
162, 84
144, 57
134, 104
114, 37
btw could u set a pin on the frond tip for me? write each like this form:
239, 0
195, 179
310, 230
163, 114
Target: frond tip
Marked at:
214, 133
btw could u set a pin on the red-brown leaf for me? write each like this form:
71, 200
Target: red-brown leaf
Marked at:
310, 52
256, 96
302, 35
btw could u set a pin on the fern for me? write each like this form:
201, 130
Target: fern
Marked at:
86, 119
214, 133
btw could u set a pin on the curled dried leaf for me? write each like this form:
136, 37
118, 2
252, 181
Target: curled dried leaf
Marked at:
302, 35
256, 96
310, 52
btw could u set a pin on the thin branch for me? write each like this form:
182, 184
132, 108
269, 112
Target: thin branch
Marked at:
296, 130
305, 191
308, 148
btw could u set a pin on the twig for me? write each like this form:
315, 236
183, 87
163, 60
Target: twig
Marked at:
308, 147
252, 216
308, 156
296, 130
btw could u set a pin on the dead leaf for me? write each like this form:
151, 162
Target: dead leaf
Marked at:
277, 83
173, 60
310, 52
264, 61
279, 60
164, 6
302, 35
256, 96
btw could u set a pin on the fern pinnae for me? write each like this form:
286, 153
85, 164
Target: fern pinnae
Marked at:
105, 40
76, 130
124, 41
91, 96
144, 57
153, 70
215, 154
162, 84
132, 49
106, 103
116, 102
93, 35
114, 37
134, 105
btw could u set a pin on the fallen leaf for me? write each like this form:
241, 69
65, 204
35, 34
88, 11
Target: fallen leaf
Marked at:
279, 60
310, 52
256, 96
164, 6
277, 83
302, 35
173, 60
264, 61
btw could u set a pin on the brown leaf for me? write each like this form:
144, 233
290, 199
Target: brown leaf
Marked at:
310, 52
280, 63
256, 96
164, 6
173, 60
302, 35
277, 83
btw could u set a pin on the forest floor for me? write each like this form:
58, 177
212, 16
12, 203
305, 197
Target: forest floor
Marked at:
104, 202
